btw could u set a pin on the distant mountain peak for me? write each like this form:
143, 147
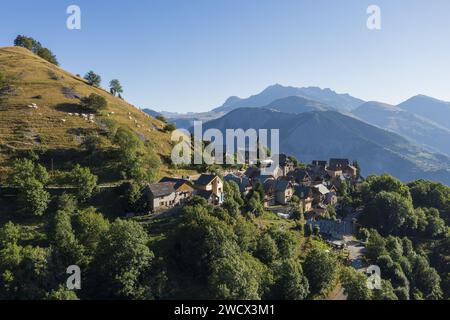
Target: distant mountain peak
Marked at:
429, 107
424, 97
341, 102
378, 105
231, 100
327, 134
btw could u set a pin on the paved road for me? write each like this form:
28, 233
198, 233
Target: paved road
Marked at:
356, 252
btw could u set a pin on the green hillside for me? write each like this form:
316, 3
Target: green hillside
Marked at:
51, 129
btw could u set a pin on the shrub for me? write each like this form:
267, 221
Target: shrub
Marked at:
161, 118
170, 127
94, 103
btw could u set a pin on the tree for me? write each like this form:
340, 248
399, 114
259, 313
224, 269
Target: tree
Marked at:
90, 226
259, 188
363, 234
94, 103
30, 179
84, 182
233, 200
9, 233
435, 225
387, 183
254, 204
320, 269
36, 47
93, 79
28, 43
390, 213
47, 55
247, 234
24, 272
375, 246
385, 293
24, 170
231, 188
122, 262
290, 283
355, 284
136, 162
267, 250
66, 249
62, 294
297, 164
33, 198
236, 277
430, 194
134, 194
426, 279
285, 240
394, 247
330, 213
115, 87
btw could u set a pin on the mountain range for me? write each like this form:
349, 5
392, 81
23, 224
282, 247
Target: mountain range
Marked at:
341, 102
310, 97
417, 128
428, 107
330, 134
410, 140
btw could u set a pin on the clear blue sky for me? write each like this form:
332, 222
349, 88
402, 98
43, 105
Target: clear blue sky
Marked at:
190, 55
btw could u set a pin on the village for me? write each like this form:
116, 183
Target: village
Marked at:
313, 189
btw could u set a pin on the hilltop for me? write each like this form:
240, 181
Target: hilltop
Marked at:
428, 107
52, 128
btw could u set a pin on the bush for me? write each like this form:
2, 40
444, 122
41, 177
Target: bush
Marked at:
170, 127
94, 103
161, 118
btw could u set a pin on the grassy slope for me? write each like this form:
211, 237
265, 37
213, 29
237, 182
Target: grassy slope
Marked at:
25, 128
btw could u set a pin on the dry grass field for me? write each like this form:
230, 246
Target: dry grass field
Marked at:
53, 125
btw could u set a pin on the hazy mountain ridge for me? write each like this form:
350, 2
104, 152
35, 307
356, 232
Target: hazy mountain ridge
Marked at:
296, 105
414, 127
318, 99
341, 102
428, 107
327, 134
